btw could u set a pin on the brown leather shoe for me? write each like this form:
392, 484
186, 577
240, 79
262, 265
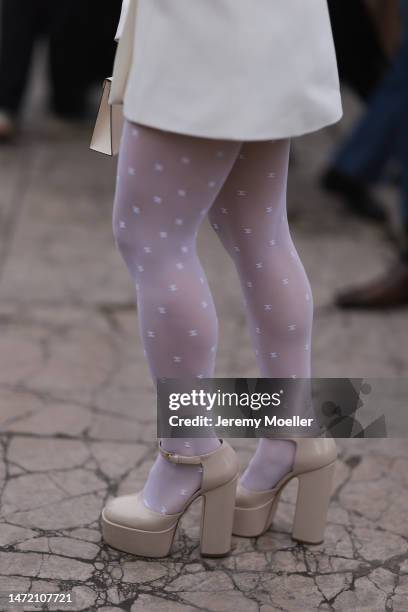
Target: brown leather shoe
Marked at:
388, 291
7, 127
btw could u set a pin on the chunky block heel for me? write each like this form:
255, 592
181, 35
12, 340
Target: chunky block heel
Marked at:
128, 525
217, 518
314, 464
312, 504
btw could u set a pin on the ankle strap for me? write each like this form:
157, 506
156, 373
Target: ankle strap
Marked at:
174, 458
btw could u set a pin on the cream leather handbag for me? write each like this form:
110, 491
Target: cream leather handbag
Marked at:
109, 121
108, 125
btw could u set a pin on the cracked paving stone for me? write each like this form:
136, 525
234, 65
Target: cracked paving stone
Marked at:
202, 581
328, 563
221, 601
72, 512
65, 418
374, 544
54, 566
88, 535
254, 561
31, 491
84, 598
337, 542
149, 602
364, 597
11, 534
44, 566
40, 544
120, 398
78, 481
14, 584
25, 347
271, 541
382, 578
288, 561
246, 581
116, 464
47, 454
68, 547
400, 597
331, 584
83, 360
294, 593
2, 469
107, 427
17, 405
143, 571
24, 564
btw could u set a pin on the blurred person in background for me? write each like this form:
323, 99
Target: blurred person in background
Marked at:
361, 54
380, 135
362, 61
80, 50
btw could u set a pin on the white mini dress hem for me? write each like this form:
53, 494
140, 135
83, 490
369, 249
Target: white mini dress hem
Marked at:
243, 70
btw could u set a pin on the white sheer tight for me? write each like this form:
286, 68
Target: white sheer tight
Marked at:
167, 183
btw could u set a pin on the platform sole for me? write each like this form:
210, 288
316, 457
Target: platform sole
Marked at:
153, 544
253, 522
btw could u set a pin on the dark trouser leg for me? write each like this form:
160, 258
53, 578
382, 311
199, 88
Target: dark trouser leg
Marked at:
82, 49
20, 23
361, 58
68, 61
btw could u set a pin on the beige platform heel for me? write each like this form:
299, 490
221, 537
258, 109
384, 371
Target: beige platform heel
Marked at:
314, 463
128, 525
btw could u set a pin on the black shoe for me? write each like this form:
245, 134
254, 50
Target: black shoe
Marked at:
355, 195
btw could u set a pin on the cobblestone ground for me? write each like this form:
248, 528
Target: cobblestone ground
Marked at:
77, 409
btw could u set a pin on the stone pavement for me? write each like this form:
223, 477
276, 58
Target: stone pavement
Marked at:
77, 409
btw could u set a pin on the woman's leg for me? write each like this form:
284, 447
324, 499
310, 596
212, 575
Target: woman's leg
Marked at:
166, 183
250, 218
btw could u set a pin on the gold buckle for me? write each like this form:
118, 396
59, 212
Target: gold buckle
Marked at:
169, 456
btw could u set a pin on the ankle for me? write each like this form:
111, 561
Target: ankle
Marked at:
169, 485
272, 460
